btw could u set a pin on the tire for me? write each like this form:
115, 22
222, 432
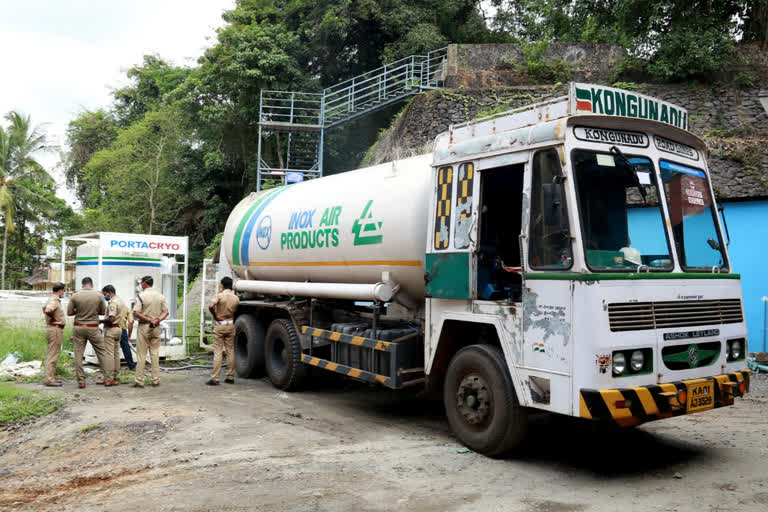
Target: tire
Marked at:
282, 353
492, 423
249, 347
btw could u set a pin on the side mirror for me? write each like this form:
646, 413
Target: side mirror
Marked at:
721, 209
553, 202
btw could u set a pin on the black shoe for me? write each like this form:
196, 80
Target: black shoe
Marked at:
229, 381
212, 383
132, 368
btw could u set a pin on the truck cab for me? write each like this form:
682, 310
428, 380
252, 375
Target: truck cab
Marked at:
583, 240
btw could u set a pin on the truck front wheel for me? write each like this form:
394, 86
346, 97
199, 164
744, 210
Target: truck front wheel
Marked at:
249, 347
480, 401
283, 355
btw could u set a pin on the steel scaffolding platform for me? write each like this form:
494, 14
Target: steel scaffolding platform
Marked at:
296, 122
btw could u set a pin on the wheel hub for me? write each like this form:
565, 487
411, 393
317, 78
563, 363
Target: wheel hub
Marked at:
473, 400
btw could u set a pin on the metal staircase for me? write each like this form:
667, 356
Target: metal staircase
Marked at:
292, 125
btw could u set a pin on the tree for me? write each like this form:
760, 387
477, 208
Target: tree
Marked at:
19, 171
677, 39
756, 21
151, 82
178, 147
88, 133
131, 183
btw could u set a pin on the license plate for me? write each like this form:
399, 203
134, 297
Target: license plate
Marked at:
700, 397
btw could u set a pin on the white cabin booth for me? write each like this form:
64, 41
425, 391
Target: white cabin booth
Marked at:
122, 259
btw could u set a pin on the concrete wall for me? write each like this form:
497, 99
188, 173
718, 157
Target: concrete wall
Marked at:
475, 66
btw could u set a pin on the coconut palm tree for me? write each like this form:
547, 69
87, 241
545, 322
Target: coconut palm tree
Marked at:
19, 142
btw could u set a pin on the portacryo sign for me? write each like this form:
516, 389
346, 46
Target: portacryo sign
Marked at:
607, 101
144, 243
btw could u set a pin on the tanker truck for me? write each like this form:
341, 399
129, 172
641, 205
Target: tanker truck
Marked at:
565, 257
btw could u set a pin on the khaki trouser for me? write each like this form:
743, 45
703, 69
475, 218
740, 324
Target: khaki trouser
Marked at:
53, 334
81, 336
148, 338
223, 340
112, 347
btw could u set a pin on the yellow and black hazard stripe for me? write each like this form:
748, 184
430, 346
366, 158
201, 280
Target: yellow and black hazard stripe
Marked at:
443, 207
464, 189
635, 405
346, 370
383, 346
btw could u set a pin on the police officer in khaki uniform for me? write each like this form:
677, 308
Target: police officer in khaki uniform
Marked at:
112, 330
54, 317
150, 309
86, 305
223, 309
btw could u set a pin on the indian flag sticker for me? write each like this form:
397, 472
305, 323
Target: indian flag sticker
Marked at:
583, 100
538, 347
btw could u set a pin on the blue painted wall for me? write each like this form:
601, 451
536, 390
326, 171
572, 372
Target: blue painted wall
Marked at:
748, 226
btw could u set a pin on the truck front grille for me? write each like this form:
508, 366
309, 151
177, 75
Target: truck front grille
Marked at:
692, 355
638, 316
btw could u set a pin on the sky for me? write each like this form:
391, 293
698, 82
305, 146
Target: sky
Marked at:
62, 56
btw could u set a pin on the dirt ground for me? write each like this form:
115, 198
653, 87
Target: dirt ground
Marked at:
344, 447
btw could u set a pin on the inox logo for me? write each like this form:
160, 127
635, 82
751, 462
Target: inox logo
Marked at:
264, 232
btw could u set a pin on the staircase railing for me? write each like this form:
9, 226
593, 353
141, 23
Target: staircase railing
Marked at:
284, 108
355, 96
297, 112
382, 86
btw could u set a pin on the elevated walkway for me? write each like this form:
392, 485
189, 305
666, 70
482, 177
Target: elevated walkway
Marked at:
292, 124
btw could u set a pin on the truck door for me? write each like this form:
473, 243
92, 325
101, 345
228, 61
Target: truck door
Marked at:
498, 245
454, 230
547, 297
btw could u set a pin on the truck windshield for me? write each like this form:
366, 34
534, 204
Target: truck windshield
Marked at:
692, 214
621, 218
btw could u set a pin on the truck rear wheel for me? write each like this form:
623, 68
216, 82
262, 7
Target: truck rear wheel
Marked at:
480, 401
283, 355
249, 347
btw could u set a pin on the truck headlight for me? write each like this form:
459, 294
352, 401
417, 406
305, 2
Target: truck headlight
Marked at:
628, 363
735, 349
619, 363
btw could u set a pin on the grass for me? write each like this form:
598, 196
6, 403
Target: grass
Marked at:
18, 405
88, 428
30, 345
193, 331
127, 376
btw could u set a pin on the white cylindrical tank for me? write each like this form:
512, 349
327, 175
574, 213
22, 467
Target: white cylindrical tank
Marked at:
345, 228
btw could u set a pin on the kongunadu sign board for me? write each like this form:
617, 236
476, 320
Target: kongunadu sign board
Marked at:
608, 101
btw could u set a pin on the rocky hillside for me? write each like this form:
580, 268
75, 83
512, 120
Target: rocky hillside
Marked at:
732, 119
